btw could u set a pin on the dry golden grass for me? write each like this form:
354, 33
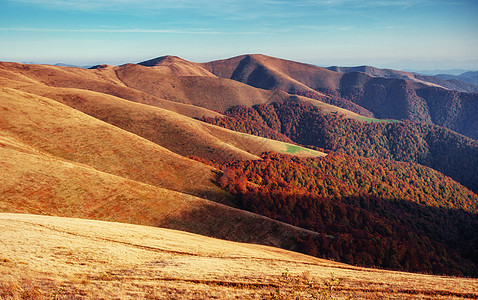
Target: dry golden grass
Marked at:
302, 76
174, 84
208, 92
36, 79
61, 131
173, 65
62, 257
39, 183
176, 132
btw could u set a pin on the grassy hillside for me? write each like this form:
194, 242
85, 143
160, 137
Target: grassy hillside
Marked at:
277, 74
38, 183
61, 131
74, 258
174, 131
103, 79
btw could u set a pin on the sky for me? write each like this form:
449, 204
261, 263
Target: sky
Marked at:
401, 34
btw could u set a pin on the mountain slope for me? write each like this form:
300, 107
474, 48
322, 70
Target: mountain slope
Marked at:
61, 131
277, 74
176, 132
430, 145
41, 184
385, 98
65, 257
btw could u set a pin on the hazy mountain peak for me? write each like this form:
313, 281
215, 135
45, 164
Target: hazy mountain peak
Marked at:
166, 59
100, 67
174, 65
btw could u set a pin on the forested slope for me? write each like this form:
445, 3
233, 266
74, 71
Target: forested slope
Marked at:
439, 148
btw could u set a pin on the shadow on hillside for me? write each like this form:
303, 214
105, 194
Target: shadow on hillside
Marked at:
389, 234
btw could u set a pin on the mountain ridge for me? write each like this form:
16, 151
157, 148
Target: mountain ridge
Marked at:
448, 82
384, 98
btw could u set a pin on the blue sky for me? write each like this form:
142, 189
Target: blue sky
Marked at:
413, 34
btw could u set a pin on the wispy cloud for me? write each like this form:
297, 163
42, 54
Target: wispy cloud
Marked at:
235, 10
328, 27
234, 5
324, 4
175, 31
162, 31
130, 5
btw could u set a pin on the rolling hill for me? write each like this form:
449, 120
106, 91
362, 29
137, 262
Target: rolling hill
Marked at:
61, 131
41, 184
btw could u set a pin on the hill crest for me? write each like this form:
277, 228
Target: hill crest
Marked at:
174, 65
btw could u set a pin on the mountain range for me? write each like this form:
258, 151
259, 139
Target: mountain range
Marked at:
366, 166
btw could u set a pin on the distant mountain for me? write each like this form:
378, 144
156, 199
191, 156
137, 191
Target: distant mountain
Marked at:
73, 66
376, 72
435, 72
453, 82
470, 77
402, 98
